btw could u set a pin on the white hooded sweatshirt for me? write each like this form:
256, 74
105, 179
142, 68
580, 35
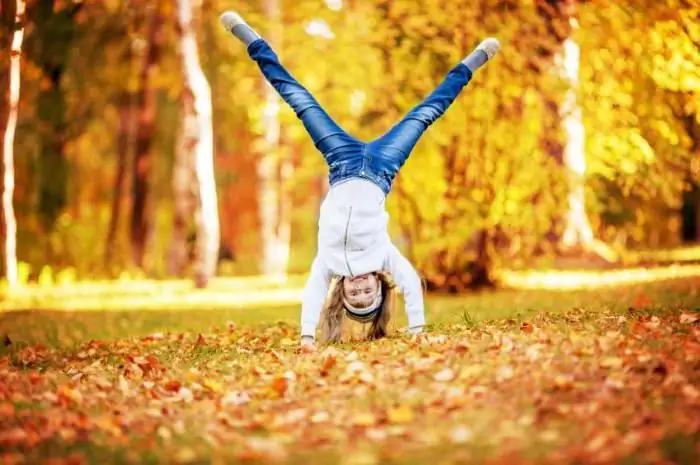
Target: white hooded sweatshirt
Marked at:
353, 240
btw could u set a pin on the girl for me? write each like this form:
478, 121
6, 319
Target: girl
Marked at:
355, 255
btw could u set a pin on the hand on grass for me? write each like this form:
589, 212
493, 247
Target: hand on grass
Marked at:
307, 344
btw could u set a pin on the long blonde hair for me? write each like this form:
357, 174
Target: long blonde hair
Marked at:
333, 310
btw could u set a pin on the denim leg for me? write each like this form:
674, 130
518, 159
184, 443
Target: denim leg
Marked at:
398, 143
326, 134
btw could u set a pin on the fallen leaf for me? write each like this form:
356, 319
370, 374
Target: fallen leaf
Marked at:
320, 417
69, 395
172, 385
12, 437
102, 383
213, 386
279, 385
444, 375
7, 410
328, 363
363, 419
461, 434
691, 391
400, 414
235, 398
611, 362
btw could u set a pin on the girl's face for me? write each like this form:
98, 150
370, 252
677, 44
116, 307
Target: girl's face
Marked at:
360, 291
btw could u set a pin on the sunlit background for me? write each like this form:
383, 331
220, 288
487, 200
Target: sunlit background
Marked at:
159, 217
576, 148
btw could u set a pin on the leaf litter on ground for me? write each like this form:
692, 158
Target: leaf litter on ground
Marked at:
613, 386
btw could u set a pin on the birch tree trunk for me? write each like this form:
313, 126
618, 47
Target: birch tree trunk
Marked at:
273, 172
577, 227
561, 19
200, 144
10, 226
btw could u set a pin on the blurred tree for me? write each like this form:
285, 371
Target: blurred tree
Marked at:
273, 169
480, 191
468, 190
146, 117
198, 146
559, 50
54, 29
125, 104
9, 120
638, 84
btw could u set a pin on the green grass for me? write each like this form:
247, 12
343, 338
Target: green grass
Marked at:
65, 328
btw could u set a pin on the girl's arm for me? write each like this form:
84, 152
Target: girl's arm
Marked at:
315, 292
408, 281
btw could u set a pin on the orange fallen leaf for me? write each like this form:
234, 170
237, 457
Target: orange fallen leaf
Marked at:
12, 459
642, 301
563, 382
461, 347
172, 385
69, 395
691, 392
279, 385
7, 410
12, 437
328, 363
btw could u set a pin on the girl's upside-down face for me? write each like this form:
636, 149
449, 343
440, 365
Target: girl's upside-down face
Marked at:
361, 291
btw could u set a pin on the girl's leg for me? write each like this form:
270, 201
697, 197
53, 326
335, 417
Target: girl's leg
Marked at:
326, 134
400, 140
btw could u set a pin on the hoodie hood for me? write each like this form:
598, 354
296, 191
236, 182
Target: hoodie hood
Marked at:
352, 239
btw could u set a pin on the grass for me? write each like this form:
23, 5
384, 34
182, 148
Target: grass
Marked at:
515, 376
146, 312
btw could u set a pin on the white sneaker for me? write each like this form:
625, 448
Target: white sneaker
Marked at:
490, 46
230, 20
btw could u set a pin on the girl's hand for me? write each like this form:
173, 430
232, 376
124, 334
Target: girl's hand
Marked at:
307, 344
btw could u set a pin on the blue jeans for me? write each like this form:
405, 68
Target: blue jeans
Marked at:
347, 157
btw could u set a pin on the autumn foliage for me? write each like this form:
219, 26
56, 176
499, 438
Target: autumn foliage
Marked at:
102, 91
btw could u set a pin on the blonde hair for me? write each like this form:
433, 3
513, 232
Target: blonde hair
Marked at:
334, 309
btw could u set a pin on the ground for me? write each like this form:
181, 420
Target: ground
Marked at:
597, 376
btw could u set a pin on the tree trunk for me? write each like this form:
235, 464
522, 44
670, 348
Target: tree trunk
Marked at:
560, 17
52, 41
480, 272
697, 220
577, 227
124, 140
10, 225
200, 146
146, 120
274, 205
183, 187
